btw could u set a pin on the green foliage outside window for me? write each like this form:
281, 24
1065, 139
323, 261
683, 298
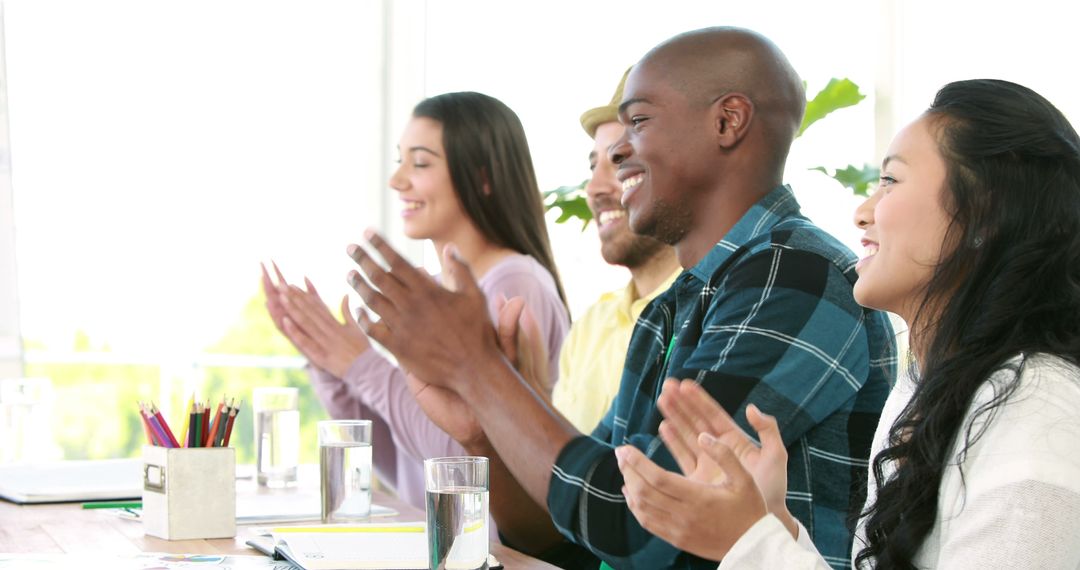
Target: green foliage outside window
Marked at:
94, 415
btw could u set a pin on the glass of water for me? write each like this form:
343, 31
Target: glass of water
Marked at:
25, 421
277, 435
457, 512
345, 470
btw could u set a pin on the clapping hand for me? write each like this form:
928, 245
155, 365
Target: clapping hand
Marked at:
307, 322
441, 335
729, 483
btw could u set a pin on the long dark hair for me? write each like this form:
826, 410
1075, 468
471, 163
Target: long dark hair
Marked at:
1008, 284
485, 145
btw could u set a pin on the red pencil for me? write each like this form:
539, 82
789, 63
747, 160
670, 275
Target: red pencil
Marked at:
146, 426
228, 426
205, 424
164, 426
219, 431
209, 439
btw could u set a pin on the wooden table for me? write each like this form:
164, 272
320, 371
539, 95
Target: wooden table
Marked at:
68, 528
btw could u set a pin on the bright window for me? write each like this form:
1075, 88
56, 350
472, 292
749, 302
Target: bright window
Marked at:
160, 151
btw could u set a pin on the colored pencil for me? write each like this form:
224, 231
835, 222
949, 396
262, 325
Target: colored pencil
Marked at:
164, 425
211, 434
205, 424
156, 427
200, 430
218, 439
193, 422
232, 418
197, 442
146, 428
153, 434
113, 505
186, 420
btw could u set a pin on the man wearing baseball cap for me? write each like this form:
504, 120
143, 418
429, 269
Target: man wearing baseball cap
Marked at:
592, 356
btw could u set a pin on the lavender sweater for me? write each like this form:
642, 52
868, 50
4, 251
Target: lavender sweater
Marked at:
374, 388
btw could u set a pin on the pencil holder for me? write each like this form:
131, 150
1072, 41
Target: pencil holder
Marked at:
189, 493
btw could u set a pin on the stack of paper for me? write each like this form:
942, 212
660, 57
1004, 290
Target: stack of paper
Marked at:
72, 481
394, 545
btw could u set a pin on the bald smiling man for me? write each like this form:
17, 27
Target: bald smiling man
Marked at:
763, 314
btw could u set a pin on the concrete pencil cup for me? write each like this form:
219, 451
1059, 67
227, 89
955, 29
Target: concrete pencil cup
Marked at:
189, 493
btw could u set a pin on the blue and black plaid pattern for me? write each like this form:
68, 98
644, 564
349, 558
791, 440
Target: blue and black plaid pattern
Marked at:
767, 317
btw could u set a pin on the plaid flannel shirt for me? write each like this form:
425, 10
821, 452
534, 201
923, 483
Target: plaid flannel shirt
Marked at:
767, 317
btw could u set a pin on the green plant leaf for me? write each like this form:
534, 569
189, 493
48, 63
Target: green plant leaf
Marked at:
570, 200
839, 93
858, 179
575, 207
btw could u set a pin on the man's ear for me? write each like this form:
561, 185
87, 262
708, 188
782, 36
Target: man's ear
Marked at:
731, 118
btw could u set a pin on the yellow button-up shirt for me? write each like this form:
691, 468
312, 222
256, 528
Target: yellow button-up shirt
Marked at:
593, 352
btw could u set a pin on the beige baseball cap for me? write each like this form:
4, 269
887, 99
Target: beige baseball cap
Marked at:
597, 116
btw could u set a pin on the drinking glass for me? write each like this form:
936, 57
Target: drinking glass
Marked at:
457, 512
345, 470
26, 421
277, 435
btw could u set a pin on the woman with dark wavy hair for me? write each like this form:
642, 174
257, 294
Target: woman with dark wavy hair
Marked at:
465, 177
973, 238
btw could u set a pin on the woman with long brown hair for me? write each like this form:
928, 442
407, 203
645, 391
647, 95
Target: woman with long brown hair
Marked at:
466, 177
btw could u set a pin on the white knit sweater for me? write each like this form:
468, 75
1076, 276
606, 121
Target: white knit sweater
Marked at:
1017, 504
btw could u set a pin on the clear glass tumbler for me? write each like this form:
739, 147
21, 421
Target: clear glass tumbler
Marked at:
457, 512
277, 435
345, 470
26, 416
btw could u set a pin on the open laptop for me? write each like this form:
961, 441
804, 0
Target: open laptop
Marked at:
68, 481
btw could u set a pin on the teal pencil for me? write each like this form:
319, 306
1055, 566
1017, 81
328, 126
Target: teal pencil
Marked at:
198, 426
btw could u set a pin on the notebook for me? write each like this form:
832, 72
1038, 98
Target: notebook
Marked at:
67, 481
399, 546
